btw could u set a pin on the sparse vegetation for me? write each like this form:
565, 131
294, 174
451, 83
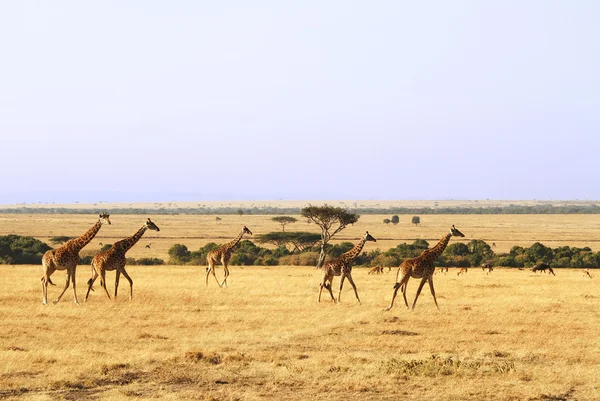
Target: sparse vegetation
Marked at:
284, 220
331, 220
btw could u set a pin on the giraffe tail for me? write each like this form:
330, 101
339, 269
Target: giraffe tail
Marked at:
50, 282
89, 283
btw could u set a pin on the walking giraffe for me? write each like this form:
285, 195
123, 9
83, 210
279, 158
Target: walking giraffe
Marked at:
223, 254
421, 267
66, 258
114, 259
342, 266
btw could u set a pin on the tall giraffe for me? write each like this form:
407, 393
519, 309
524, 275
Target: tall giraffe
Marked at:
342, 266
223, 254
66, 257
421, 267
114, 259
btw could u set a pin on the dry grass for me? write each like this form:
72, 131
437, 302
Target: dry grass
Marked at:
508, 335
195, 231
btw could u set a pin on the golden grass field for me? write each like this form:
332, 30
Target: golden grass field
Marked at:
509, 335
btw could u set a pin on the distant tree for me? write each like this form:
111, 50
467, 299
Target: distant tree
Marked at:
217, 219
283, 220
61, 239
416, 220
240, 212
299, 241
105, 247
387, 221
332, 220
395, 219
179, 254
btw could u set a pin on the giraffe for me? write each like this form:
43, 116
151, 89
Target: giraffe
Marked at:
223, 254
114, 259
421, 267
66, 258
342, 266
376, 270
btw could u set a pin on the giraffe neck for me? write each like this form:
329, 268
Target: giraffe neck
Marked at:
127, 243
78, 243
234, 242
354, 252
439, 248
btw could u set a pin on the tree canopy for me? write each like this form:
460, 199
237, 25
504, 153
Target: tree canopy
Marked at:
284, 220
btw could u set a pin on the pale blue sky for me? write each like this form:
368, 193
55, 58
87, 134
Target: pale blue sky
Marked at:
242, 100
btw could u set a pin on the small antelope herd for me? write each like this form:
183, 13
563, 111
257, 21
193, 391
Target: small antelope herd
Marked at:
66, 257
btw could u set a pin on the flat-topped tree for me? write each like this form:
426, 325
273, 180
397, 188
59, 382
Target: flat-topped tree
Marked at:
284, 220
331, 219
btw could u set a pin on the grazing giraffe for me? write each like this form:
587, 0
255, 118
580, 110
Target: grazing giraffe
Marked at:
114, 259
66, 258
342, 266
421, 267
376, 270
462, 270
223, 254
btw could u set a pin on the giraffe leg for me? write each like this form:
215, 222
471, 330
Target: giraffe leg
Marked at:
74, 289
117, 277
45, 280
226, 271
103, 282
353, 286
90, 283
430, 280
341, 285
66, 286
130, 284
423, 280
397, 286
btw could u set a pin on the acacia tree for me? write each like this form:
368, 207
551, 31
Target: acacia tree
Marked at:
283, 220
416, 220
395, 219
331, 219
386, 221
299, 240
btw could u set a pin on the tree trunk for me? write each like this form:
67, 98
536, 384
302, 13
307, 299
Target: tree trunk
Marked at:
321, 256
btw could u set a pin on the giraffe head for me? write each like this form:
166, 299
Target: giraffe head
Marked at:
247, 231
151, 226
368, 237
104, 218
454, 231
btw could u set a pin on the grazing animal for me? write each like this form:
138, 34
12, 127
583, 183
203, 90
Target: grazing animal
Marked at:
540, 267
66, 258
487, 267
441, 270
342, 266
462, 270
114, 259
222, 254
421, 267
376, 270
586, 273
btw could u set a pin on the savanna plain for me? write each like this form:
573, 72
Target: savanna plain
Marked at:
508, 335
